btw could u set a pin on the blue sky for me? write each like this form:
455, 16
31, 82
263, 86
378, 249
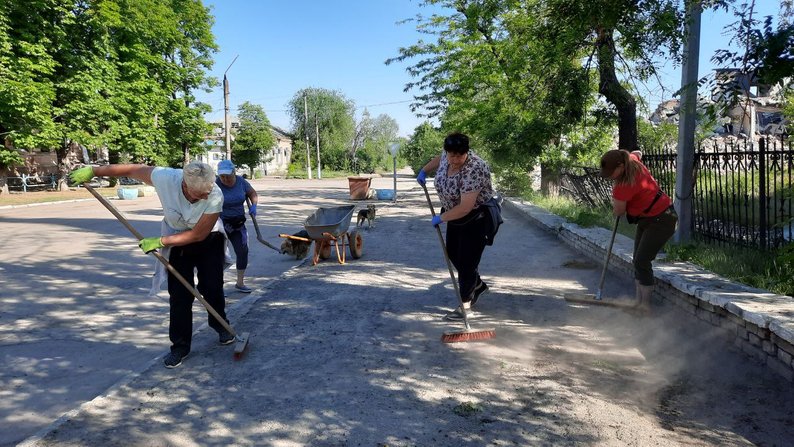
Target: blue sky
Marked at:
284, 46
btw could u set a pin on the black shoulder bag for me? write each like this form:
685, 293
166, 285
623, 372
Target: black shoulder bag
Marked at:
494, 206
634, 219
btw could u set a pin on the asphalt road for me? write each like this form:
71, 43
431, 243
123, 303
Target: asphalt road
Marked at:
350, 354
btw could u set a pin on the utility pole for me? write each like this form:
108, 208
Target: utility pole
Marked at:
684, 184
306, 131
317, 134
227, 119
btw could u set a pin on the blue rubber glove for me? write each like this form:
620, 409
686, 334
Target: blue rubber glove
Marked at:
150, 244
436, 220
82, 175
252, 210
422, 177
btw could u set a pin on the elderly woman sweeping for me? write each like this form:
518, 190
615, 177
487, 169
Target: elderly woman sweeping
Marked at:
191, 239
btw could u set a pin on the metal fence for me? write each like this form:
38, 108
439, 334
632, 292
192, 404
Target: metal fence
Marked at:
742, 192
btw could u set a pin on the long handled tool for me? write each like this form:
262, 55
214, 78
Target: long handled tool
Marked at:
241, 341
596, 299
256, 228
468, 334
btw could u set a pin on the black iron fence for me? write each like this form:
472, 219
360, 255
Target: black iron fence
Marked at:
742, 192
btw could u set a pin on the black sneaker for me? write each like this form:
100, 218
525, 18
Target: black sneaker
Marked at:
479, 289
173, 359
225, 338
457, 315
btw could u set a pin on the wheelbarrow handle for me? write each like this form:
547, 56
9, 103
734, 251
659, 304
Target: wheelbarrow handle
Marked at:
297, 238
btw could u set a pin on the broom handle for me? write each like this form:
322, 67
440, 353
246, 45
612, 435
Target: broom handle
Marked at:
162, 259
256, 228
606, 260
446, 257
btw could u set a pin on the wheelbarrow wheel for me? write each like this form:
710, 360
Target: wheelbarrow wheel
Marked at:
356, 243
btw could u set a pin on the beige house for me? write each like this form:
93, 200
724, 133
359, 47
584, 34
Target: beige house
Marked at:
274, 161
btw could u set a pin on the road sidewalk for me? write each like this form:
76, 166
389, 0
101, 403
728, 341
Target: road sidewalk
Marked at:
351, 355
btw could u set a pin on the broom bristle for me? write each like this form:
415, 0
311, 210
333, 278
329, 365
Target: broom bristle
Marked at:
472, 335
241, 346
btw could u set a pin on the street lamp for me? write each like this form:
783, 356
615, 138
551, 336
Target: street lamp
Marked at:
394, 148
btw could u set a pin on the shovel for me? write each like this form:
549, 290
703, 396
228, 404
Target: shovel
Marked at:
256, 228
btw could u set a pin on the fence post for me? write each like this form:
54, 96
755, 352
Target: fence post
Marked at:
762, 191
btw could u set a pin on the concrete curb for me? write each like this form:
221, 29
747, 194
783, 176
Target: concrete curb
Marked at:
28, 205
761, 322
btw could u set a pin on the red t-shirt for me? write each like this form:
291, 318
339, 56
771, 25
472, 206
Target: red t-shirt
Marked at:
641, 193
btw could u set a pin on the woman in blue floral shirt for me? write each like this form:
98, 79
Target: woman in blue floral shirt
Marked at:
463, 183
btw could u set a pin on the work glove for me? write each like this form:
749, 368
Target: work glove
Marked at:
436, 220
82, 175
422, 177
150, 244
252, 210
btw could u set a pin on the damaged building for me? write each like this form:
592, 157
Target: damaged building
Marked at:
754, 109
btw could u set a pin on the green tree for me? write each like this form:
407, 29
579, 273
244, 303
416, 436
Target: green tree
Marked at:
331, 113
486, 74
28, 30
254, 137
425, 143
110, 74
373, 136
518, 73
188, 58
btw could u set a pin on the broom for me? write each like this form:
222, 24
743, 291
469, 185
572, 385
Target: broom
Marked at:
589, 298
468, 334
241, 340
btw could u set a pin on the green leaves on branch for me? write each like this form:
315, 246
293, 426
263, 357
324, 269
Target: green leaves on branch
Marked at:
254, 138
118, 74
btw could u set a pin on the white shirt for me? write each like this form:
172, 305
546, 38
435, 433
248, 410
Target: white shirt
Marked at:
179, 213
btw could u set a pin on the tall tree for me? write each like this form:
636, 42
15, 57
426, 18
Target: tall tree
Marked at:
374, 150
188, 58
330, 112
254, 137
425, 143
517, 72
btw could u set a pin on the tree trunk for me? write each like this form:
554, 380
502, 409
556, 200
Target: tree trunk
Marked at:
3, 185
549, 180
616, 94
67, 160
186, 154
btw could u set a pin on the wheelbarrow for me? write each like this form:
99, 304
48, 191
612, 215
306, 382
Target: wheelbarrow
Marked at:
327, 228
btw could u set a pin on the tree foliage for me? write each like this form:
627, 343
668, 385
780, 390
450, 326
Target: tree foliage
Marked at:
425, 143
371, 143
332, 114
254, 138
519, 74
114, 74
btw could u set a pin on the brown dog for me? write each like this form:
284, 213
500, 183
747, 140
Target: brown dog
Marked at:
367, 215
294, 247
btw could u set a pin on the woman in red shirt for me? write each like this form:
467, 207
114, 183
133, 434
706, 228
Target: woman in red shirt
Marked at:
636, 194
